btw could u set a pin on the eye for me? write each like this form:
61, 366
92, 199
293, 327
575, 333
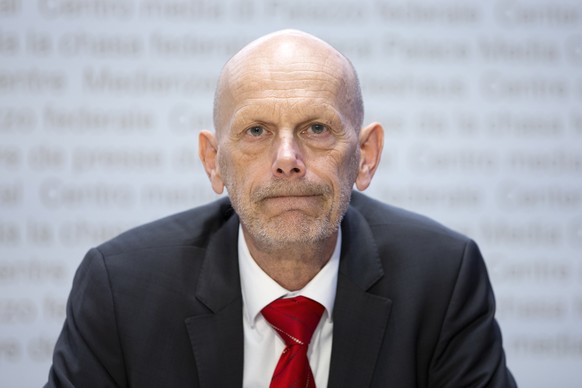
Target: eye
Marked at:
256, 131
317, 128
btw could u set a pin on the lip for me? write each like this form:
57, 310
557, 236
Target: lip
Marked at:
292, 201
293, 196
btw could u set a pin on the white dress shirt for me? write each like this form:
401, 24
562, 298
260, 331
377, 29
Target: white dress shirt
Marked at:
262, 345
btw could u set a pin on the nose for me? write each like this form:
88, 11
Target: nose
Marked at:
288, 161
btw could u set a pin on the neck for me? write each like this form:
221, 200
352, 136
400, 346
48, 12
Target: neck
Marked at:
292, 265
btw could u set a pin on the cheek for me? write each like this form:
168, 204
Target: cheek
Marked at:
338, 171
223, 169
229, 174
344, 162
232, 164
238, 174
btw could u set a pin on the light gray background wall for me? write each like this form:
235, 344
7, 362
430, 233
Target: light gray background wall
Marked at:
101, 102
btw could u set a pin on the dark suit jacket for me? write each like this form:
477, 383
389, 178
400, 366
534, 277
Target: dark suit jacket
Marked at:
161, 306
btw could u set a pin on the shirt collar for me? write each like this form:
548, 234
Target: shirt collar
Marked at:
258, 289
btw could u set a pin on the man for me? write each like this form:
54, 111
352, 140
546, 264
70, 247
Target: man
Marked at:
393, 298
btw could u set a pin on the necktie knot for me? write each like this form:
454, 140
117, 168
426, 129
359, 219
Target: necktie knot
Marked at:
295, 320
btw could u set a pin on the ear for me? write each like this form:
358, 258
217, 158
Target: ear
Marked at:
208, 153
371, 145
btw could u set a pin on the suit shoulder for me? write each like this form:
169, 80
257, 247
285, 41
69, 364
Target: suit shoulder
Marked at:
402, 223
189, 228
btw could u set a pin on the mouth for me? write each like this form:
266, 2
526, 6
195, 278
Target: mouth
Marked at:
293, 202
303, 196
291, 196
288, 192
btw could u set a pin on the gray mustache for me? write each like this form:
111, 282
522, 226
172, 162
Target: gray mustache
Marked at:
286, 188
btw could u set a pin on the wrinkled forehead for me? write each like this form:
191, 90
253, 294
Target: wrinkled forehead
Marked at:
284, 70
299, 77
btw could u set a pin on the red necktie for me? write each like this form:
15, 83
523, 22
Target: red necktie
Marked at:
294, 319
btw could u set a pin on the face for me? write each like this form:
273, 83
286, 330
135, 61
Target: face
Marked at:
287, 150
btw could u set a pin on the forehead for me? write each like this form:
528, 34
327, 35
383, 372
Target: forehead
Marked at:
274, 86
301, 78
290, 110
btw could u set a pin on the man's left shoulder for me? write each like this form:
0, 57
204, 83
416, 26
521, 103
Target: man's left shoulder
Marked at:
401, 224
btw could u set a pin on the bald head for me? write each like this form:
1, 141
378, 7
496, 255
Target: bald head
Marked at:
289, 52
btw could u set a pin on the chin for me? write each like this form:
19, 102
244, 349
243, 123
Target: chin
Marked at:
280, 234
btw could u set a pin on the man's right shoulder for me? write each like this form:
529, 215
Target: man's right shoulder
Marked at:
188, 228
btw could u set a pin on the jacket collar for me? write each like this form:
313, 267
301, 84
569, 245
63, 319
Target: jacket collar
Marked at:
360, 317
217, 336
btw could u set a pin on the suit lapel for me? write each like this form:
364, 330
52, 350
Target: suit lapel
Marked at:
360, 318
217, 336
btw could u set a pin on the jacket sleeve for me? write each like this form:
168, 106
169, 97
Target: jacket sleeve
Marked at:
469, 352
88, 352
